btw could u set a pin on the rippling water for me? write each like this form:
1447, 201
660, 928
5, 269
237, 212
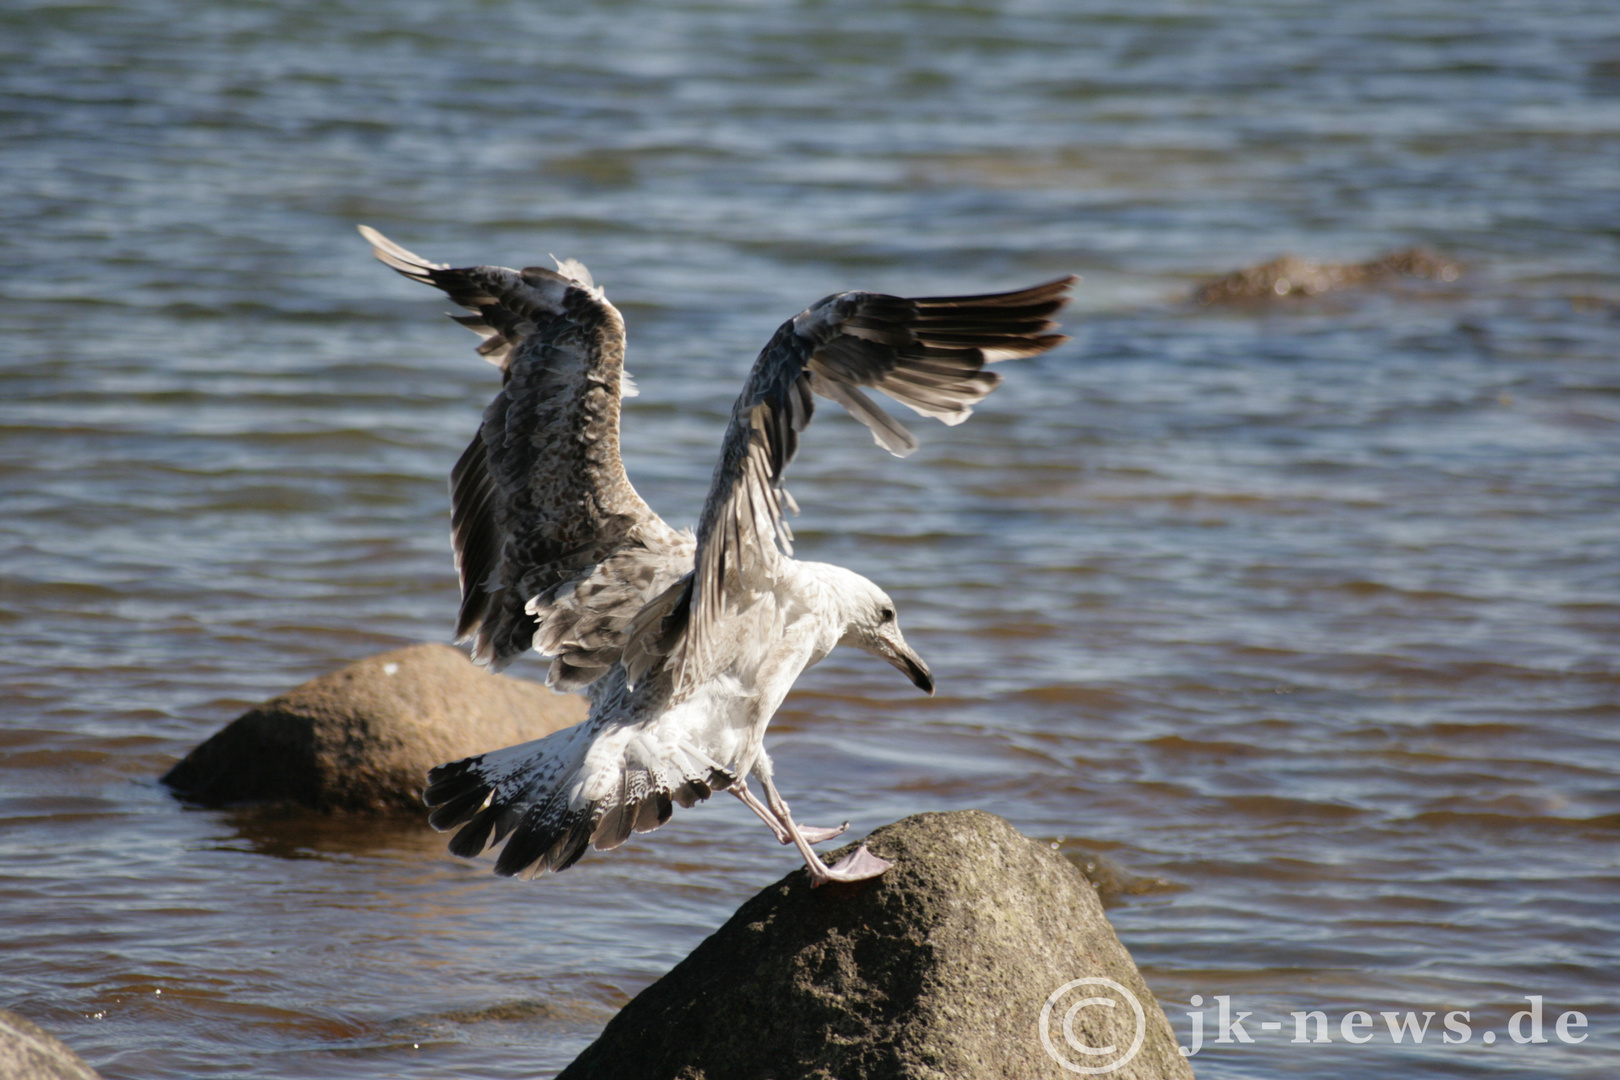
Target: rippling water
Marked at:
1302, 617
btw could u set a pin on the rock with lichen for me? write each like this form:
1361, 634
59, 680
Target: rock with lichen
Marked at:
942, 969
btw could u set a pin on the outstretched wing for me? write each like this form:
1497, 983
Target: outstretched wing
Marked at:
555, 549
929, 354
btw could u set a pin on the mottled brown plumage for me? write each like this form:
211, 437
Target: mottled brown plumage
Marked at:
555, 549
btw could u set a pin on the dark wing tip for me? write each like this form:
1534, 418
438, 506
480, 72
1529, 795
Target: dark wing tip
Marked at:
928, 353
1056, 289
403, 260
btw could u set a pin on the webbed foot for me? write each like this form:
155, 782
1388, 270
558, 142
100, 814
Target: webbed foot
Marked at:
818, 835
859, 865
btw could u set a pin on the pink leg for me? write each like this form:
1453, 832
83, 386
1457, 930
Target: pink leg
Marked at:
859, 866
811, 833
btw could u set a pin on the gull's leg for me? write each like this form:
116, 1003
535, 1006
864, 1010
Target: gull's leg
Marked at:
740, 789
811, 833
858, 866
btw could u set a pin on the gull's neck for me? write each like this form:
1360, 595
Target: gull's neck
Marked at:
833, 595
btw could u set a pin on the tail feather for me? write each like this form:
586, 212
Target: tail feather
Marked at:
471, 839
544, 840
552, 799
654, 811
467, 805
620, 819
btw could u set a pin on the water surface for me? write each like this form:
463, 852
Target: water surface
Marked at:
1302, 616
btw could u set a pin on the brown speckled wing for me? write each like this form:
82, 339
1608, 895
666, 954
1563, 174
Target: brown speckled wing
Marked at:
555, 549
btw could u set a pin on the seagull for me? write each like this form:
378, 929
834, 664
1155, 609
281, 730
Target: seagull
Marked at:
685, 645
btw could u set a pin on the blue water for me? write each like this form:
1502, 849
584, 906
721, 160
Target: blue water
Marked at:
1301, 615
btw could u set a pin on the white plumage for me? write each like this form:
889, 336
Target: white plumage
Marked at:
685, 645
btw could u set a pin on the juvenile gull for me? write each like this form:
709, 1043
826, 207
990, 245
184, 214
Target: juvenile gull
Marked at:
685, 645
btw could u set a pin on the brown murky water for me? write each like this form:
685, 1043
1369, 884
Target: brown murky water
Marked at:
1301, 617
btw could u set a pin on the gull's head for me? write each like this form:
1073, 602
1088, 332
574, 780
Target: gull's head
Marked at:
871, 625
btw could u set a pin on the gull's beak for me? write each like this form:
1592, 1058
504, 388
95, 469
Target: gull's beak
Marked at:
893, 648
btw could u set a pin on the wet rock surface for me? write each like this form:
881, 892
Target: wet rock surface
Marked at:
939, 969
362, 738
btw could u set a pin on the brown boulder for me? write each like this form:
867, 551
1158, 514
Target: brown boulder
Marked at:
939, 970
363, 737
28, 1052
1294, 277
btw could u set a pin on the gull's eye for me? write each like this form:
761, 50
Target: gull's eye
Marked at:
886, 615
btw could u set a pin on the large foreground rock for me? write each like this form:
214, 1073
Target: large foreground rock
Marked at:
939, 970
28, 1052
364, 737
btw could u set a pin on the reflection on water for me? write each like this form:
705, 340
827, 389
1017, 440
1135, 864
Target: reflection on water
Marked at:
294, 833
1295, 623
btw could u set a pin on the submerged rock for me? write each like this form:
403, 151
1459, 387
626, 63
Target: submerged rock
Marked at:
29, 1052
939, 970
363, 737
1294, 277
